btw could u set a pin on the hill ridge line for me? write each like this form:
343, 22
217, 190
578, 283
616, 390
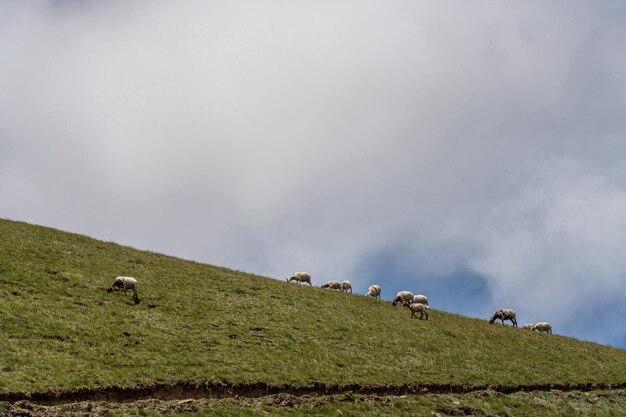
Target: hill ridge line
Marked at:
183, 390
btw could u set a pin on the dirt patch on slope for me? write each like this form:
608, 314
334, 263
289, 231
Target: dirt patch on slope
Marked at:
184, 390
159, 407
450, 405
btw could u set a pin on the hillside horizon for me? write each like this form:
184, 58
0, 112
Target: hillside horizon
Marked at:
358, 287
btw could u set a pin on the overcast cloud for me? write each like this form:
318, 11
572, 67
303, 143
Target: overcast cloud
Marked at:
406, 143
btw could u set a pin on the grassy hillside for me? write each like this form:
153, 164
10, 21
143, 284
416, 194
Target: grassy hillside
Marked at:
60, 329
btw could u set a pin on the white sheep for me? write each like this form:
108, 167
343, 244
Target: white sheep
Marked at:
528, 326
374, 291
300, 277
504, 314
333, 285
404, 297
542, 326
415, 307
345, 286
420, 299
125, 283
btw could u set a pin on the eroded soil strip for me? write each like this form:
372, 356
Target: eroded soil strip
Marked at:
195, 390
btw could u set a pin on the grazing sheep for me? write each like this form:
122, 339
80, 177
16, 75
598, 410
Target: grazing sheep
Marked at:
504, 314
415, 307
528, 326
404, 297
125, 283
542, 326
420, 299
300, 277
333, 285
345, 286
374, 291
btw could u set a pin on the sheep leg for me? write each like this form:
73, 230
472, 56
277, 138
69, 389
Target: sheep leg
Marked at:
413, 313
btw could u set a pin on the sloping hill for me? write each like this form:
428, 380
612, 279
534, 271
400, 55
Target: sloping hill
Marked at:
59, 329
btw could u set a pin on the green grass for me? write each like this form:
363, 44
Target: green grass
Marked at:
60, 329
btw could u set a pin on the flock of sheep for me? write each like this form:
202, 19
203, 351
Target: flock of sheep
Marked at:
415, 303
508, 314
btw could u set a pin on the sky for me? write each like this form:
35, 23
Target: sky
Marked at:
472, 152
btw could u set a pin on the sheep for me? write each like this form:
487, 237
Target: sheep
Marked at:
403, 296
420, 299
345, 286
542, 326
125, 283
504, 314
528, 326
374, 291
415, 307
333, 285
300, 277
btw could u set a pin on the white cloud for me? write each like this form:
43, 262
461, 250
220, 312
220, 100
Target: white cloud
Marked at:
554, 249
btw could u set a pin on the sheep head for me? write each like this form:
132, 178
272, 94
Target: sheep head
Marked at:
493, 319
